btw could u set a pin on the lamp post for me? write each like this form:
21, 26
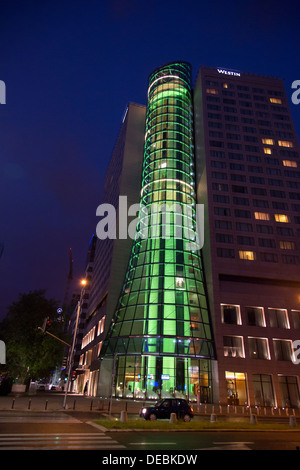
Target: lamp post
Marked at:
71, 352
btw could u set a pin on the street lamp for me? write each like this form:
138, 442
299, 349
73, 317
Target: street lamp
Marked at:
83, 282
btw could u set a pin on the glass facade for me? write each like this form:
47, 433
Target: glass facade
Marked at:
161, 335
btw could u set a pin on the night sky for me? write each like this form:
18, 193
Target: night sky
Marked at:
70, 69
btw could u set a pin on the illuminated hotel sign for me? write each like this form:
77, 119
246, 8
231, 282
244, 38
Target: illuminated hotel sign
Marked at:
228, 72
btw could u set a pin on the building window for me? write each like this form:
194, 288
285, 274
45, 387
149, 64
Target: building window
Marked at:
236, 388
263, 390
285, 143
290, 163
225, 253
262, 216
286, 245
283, 218
278, 318
267, 151
269, 257
255, 316
276, 100
268, 141
212, 91
296, 318
233, 346
231, 314
283, 349
100, 326
289, 391
258, 348
247, 255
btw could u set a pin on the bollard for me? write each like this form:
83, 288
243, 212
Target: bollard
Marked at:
253, 419
292, 421
46, 405
91, 407
74, 404
173, 418
100, 405
123, 417
13, 404
213, 418
29, 404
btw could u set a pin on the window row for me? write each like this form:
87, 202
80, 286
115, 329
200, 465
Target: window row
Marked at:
249, 255
255, 316
261, 242
237, 385
258, 348
260, 228
266, 216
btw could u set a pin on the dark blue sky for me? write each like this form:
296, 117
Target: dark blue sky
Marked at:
70, 68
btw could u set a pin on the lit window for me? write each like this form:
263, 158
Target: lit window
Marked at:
285, 143
179, 283
268, 141
262, 215
248, 255
233, 346
163, 165
290, 163
276, 100
259, 348
212, 91
286, 245
225, 85
282, 218
268, 151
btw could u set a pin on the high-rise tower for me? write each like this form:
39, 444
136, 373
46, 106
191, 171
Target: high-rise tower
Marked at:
160, 339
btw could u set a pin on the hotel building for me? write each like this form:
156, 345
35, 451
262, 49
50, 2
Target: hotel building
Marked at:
218, 323
248, 177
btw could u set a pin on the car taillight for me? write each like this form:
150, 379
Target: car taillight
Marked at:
192, 410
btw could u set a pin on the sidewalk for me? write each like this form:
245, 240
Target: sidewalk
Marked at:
53, 401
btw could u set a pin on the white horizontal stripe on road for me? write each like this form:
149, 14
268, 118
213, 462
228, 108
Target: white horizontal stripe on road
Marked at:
58, 441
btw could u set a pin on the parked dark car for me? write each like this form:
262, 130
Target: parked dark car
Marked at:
163, 408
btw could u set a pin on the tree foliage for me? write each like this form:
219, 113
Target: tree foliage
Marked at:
30, 354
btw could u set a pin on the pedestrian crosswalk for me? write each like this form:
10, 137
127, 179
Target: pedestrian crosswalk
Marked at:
56, 441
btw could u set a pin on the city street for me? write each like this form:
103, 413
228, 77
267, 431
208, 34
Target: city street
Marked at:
58, 430
207, 440
51, 431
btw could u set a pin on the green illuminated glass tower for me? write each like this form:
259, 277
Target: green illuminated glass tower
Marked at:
160, 339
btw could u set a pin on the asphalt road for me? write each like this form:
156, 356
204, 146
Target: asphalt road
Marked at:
25, 430
198, 441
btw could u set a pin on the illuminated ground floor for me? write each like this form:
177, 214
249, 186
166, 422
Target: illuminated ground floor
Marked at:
151, 378
260, 389
146, 377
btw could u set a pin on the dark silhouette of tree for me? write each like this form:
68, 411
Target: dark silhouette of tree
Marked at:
30, 354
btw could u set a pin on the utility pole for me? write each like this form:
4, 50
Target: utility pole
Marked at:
71, 352
113, 381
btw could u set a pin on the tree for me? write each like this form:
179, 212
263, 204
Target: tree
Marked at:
29, 353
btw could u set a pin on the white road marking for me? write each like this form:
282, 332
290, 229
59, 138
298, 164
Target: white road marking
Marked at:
58, 441
229, 446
